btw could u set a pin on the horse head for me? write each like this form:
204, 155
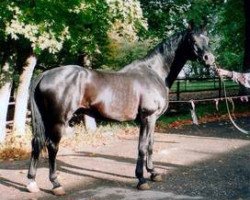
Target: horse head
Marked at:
197, 42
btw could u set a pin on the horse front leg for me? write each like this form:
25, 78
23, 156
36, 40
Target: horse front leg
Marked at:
142, 148
156, 177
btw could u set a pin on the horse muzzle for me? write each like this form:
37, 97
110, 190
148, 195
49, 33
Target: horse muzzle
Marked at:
208, 59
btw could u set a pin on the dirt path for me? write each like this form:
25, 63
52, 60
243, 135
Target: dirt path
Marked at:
210, 161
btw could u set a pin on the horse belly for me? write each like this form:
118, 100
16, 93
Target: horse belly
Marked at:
119, 105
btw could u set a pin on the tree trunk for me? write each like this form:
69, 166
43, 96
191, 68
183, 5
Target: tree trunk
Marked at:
4, 99
23, 96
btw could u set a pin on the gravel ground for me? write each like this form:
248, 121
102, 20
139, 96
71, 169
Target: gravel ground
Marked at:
209, 161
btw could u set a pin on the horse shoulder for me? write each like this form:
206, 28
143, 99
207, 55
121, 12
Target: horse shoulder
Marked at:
154, 95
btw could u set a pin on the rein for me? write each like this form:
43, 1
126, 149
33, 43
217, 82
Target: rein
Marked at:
227, 105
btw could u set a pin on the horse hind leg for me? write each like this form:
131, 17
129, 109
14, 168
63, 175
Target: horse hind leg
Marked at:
36, 149
53, 146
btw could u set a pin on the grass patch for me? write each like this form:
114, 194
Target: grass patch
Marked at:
197, 85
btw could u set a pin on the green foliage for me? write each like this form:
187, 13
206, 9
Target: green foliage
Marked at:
60, 30
116, 32
164, 17
124, 52
56, 29
225, 24
128, 26
230, 28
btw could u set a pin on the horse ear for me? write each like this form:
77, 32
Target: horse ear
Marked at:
204, 29
204, 26
190, 25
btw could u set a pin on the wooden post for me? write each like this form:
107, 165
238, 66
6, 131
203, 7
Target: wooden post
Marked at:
219, 88
178, 91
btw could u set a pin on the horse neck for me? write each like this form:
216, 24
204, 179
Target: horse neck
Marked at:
168, 59
175, 68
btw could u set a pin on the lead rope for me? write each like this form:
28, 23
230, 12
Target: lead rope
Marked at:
228, 110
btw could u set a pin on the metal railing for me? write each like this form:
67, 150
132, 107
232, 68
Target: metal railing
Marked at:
198, 85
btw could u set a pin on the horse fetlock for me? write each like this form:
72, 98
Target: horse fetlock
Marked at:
31, 176
55, 182
150, 168
32, 186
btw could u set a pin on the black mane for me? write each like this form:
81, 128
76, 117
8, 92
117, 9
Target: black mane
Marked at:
166, 54
168, 46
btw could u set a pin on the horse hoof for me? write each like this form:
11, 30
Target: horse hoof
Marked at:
58, 191
143, 186
32, 187
156, 178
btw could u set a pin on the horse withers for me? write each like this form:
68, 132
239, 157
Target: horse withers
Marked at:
140, 89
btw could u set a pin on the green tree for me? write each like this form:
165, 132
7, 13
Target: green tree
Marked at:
57, 32
229, 32
225, 24
54, 30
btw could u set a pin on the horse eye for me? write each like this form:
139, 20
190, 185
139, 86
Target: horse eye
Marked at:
192, 41
195, 42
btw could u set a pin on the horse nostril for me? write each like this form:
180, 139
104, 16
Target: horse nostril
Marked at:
205, 57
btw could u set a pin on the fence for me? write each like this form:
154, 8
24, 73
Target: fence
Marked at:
203, 87
10, 116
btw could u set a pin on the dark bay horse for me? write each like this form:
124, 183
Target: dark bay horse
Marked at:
140, 90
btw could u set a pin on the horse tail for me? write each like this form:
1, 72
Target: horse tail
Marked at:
38, 127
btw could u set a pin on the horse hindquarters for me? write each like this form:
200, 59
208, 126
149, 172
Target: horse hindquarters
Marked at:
45, 133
